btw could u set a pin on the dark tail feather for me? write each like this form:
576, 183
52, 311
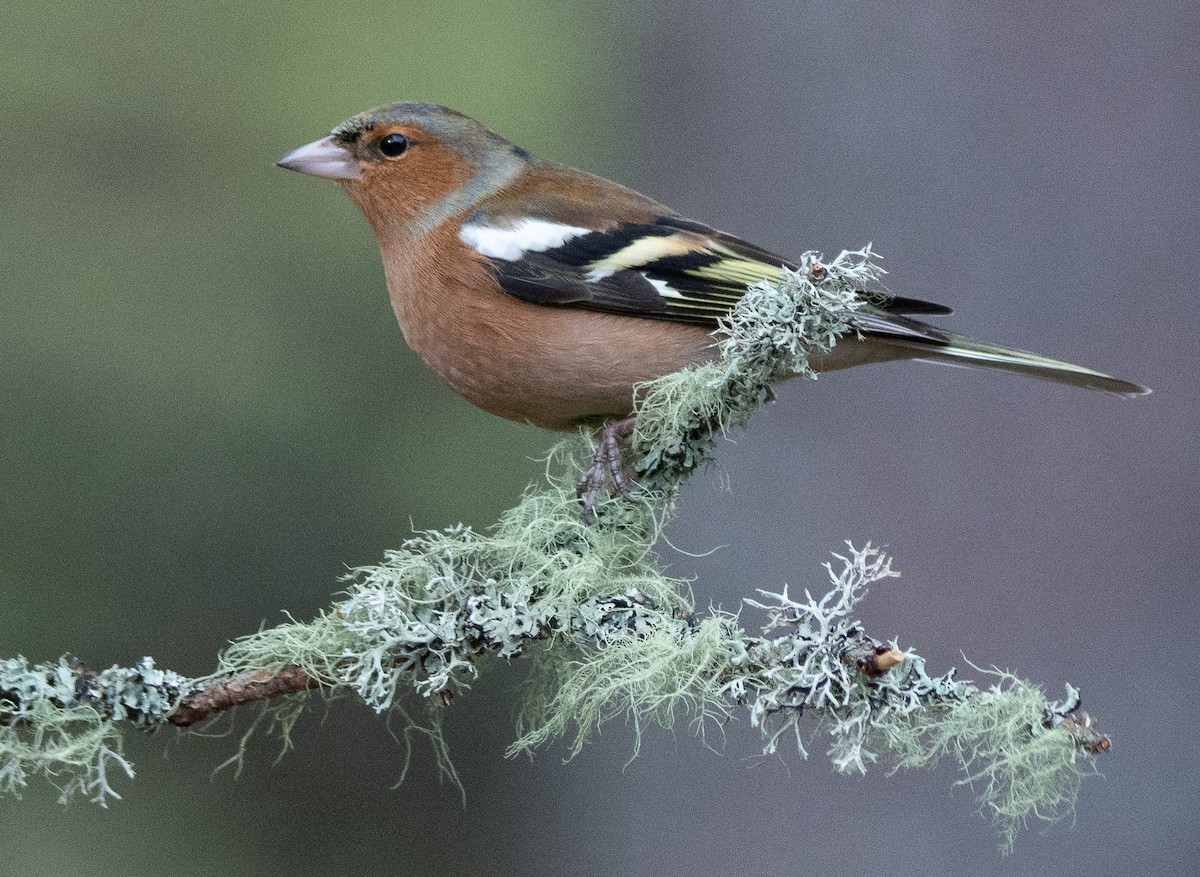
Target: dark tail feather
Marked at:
960, 350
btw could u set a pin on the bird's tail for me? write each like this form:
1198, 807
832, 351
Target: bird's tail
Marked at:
962, 351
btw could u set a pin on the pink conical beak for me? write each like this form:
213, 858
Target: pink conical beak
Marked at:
322, 158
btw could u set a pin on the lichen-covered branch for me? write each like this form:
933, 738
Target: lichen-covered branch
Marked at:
615, 636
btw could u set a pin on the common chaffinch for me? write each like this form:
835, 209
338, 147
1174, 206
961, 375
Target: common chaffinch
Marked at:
542, 293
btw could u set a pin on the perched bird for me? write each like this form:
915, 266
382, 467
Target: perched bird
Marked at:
543, 294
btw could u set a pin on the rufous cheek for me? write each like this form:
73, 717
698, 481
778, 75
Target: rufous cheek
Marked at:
395, 192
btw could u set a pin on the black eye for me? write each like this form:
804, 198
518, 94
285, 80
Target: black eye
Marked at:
393, 145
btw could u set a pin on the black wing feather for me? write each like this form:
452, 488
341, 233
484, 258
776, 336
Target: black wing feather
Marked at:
692, 273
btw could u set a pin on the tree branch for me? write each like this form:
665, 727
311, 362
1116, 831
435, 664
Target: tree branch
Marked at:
616, 636
206, 699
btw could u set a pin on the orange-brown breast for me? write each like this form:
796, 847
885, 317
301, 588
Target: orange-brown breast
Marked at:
551, 366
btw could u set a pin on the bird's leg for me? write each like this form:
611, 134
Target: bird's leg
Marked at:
607, 470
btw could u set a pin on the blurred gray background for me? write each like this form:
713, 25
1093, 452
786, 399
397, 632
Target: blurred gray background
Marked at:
208, 412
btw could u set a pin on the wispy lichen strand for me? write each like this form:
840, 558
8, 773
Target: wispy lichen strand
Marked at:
615, 636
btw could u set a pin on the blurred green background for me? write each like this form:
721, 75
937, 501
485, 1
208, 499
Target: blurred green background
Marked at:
203, 380
207, 413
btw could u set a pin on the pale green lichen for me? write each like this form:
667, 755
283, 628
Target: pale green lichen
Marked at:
770, 335
422, 617
1007, 742
805, 667
57, 721
657, 670
314, 646
613, 636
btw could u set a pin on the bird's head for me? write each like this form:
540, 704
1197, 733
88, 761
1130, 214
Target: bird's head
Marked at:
410, 166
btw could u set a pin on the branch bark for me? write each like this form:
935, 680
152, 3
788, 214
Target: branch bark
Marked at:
218, 695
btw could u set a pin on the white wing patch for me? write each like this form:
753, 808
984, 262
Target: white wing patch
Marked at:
664, 288
523, 236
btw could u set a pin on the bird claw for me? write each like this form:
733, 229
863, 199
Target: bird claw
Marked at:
607, 470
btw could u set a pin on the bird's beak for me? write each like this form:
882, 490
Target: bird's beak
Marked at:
322, 158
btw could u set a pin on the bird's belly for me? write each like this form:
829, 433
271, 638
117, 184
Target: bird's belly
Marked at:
555, 367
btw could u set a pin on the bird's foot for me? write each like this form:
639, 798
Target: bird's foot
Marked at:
607, 471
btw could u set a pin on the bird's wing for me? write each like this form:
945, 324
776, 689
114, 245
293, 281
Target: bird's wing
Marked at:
667, 269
